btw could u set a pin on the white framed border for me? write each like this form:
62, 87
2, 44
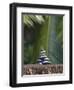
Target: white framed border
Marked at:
44, 78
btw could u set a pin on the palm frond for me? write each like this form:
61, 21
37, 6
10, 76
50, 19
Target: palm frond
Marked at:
30, 19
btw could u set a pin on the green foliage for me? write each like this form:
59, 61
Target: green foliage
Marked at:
29, 20
55, 45
42, 31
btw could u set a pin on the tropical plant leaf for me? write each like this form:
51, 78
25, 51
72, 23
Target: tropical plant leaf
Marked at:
29, 20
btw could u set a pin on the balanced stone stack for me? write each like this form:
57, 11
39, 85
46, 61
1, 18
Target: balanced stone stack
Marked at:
43, 59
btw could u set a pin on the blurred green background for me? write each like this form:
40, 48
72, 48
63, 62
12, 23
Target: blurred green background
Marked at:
42, 31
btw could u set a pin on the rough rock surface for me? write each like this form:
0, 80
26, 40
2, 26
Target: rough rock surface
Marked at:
33, 69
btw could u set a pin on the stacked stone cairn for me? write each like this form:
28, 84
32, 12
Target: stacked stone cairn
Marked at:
43, 59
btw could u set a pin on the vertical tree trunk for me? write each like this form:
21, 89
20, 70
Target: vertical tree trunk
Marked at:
41, 39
